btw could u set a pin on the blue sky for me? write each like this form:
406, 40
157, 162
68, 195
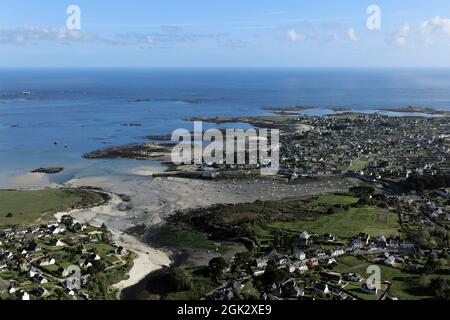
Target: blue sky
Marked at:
231, 33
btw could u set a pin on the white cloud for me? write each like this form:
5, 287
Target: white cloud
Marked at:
352, 35
435, 31
402, 36
33, 34
164, 38
294, 36
325, 33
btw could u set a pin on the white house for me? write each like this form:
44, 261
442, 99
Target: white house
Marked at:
390, 261
337, 252
322, 288
32, 272
369, 289
290, 268
39, 279
23, 295
304, 235
47, 262
261, 263
301, 266
300, 255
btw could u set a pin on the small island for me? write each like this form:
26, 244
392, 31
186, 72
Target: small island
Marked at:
49, 170
411, 109
145, 151
289, 109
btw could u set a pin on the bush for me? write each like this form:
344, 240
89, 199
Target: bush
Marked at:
177, 280
216, 267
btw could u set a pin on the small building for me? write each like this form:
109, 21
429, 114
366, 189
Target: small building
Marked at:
369, 289
236, 285
33, 247
304, 238
39, 279
331, 276
32, 272
41, 292
352, 277
57, 243
390, 261
312, 263
70, 291
364, 237
260, 263
23, 295
328, 237
337, 252
299, 255
290, 268
322, 288
47, 262
63, 272
12, 289
381, 241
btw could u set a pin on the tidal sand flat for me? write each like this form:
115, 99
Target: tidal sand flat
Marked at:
147, 259
31, 180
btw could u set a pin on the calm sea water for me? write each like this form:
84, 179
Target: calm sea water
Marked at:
86, 109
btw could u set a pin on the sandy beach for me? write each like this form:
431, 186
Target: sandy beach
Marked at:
146, 171
28, 181
147, 259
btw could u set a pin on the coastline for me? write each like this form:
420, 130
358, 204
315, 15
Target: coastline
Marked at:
178, 194
153, 200
147, 259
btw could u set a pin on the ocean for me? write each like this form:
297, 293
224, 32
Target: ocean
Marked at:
88, 109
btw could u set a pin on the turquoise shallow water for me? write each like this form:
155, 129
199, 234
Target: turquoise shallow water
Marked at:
87, 109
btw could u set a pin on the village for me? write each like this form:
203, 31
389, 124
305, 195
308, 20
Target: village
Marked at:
376, 147
323, 266
372, 146
60, 259
385, 237
403, 164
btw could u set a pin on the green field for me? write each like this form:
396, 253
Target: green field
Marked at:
201, 285
331, 213
372, 220
20, 207
333, 199
358, 165
405, 286
183, 237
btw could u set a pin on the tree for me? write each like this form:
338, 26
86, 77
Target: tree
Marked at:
362, 191
250, 293
179, 280
97, 267
67, 221
441, 288
425, 281
272, 275
216, 267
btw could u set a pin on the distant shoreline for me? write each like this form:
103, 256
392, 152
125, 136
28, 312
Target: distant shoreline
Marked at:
410, 109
